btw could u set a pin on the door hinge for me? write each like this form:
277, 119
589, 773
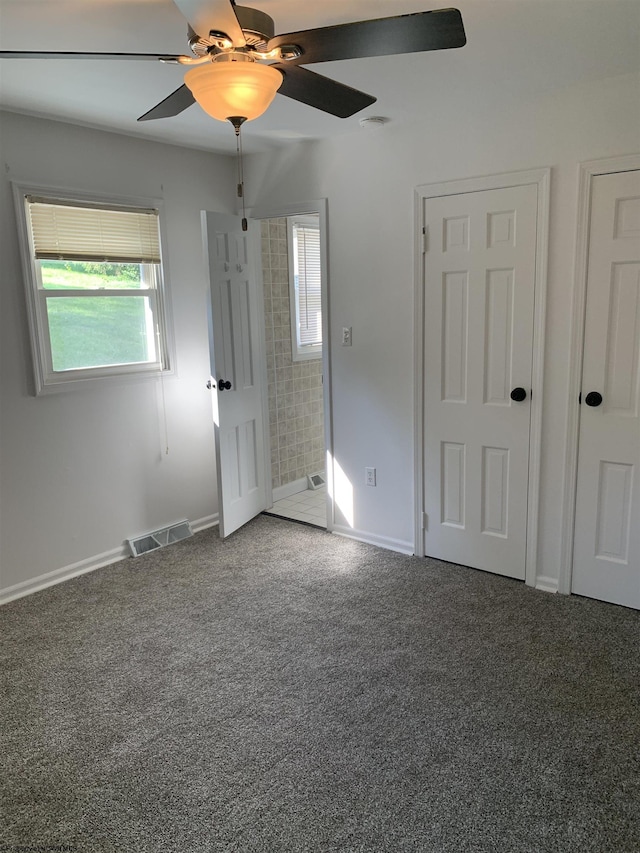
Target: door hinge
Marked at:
424, 239
425, 521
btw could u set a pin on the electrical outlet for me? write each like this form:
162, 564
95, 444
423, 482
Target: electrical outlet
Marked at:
370, 476
346, 336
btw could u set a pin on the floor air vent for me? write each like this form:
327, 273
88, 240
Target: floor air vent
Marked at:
160, 538
316, 480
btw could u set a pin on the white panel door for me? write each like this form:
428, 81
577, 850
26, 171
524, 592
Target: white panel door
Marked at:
237, 368
478, 332
607, 528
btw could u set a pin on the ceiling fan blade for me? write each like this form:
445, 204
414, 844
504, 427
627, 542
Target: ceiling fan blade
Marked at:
173, 104
72, 54
206, 15
320, 92
420, 31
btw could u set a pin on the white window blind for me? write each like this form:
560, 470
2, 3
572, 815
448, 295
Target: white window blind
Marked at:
95, 287
308, 283
66, 231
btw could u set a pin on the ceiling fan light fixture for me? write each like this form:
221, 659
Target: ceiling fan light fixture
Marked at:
235, 87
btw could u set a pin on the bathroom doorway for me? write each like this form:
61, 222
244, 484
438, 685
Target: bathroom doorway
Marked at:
292, 265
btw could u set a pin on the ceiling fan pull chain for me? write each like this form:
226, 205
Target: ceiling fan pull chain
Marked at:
237, 122
239, 164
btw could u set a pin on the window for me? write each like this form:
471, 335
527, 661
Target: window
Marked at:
305, 286
93, 273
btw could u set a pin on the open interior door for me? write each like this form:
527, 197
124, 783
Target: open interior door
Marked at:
238, 369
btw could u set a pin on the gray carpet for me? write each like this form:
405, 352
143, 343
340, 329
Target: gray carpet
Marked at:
288, 690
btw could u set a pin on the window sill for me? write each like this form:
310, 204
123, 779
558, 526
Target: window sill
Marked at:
89, 378
314, 354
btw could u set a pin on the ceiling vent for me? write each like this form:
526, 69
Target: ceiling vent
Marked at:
373, 122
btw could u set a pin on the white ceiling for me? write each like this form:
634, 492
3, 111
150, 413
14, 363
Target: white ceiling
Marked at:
516, 49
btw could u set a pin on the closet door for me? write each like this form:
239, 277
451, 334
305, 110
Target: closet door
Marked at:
479, 283
607, 527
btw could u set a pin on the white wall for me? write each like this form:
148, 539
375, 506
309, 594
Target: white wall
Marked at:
369, 181
83, 470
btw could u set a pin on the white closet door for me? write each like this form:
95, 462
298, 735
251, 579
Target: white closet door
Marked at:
478, 331
607, 528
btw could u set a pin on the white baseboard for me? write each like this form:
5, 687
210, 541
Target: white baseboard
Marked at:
281, 492
546, 584
373, 539
82, 567
90, 564
204, 523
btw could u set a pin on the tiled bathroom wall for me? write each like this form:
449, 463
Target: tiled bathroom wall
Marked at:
295, 388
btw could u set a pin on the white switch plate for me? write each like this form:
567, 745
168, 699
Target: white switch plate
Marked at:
346, 336
370, 476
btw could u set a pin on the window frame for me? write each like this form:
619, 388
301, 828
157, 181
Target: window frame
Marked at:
304, 352
47, 380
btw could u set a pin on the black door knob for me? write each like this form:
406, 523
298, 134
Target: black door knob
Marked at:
518, 395
593, 398
224, 386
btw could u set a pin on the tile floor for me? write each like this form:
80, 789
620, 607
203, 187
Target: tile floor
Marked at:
309, 506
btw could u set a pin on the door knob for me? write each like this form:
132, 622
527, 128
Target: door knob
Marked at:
593, 398
518, 395
224, 386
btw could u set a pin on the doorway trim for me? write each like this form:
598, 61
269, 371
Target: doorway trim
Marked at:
318, 206
541, 178
587, 171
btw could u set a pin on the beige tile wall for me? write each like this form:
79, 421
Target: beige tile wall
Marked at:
295, 388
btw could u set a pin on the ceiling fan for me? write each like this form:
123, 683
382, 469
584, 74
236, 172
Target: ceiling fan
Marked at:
237, 63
